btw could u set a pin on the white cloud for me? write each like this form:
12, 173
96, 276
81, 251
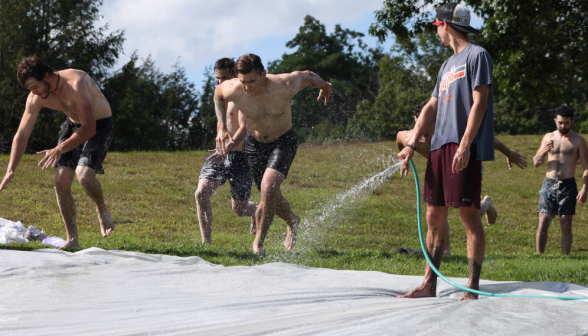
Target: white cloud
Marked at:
199, 32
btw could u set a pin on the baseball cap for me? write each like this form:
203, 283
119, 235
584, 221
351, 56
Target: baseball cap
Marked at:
457, 15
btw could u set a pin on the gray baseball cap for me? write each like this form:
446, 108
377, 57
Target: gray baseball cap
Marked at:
457, 15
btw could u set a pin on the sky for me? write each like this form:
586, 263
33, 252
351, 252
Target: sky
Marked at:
198, 32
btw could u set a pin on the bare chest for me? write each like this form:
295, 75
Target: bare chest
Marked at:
68, 107
271, 107
563, 148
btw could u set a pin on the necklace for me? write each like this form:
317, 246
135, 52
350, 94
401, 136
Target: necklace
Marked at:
56, 86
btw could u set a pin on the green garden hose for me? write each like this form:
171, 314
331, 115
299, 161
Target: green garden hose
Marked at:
418, 192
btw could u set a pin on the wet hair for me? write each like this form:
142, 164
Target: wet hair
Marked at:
225, 64
565, 111
418, 109
32, 67
247, 63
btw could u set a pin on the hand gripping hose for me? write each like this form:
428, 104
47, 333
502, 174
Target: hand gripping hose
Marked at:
418, 192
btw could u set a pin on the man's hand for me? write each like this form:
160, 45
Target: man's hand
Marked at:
460, 160
404, 169
9, 176
548, 146
405, 154
215, 158
516, 158
326, 92
51, 157
223, 139
581, 196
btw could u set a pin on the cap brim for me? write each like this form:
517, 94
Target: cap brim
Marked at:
468, 29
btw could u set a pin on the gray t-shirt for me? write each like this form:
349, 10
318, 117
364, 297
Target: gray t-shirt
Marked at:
457, 79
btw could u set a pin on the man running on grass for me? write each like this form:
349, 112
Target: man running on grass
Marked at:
461, 108
83, 142
271, 144
559, 192
423, 147
234, 167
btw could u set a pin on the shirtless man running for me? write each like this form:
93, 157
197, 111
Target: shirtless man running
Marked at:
559, 192
83, 142
271, 144
234, 167
423, 147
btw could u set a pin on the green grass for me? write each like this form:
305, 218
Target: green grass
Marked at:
151, 196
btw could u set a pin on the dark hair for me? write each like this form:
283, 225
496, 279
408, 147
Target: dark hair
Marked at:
247, 63
32, 67
565, 111
418, 109
225, 63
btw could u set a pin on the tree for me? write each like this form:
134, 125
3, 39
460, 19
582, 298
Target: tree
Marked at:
203, 124
64, 34
538, 47
340, 58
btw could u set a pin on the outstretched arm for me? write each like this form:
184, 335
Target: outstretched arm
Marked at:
512, 156
583, 149
310, 78
80, 94
21, 138
546, 146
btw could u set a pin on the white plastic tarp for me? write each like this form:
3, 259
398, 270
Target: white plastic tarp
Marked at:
98, 292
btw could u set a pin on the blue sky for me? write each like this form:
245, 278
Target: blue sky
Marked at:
198, 32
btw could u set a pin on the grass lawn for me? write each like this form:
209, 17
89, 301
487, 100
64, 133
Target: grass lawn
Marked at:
151, 197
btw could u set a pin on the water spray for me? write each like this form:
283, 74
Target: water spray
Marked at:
416, 181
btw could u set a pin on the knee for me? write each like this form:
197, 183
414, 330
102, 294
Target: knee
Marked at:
63, 181
203, 193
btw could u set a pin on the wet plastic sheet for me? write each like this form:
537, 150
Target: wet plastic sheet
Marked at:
97, 292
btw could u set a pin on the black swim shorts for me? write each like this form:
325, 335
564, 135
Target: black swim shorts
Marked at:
278, 155
235, 168
558, 197
92, 152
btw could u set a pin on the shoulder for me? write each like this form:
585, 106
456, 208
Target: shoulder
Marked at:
577, 138
35, 102
477, 52
228, 87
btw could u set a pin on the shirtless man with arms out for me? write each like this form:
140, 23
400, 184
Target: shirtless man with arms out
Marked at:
83, 142
234, 167
423, 147
559, 192
271, 144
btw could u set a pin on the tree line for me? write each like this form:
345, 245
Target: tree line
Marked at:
538, 48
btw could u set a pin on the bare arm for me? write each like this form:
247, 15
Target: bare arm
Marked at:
223, 136
307, 78
512, 156
546, 146
583, 149
425, 121
462, 156
239, 136
21, 138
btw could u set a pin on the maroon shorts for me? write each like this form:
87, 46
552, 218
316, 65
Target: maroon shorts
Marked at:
443, 188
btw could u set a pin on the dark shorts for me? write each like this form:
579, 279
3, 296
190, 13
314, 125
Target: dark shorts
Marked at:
558, 197
92, 152
443, 188
236, 169
278, 155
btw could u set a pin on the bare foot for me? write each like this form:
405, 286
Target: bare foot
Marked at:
106, 224
421, 291
469, 296
291, 235
491, 213
259, 251
253, 229
73, 244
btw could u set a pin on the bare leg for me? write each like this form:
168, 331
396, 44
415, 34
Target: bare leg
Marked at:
272, 202
541, 237
206, 187
487, 208
447, 247
87, 178
246, 208
436, 234
566, 233
476, 246
63, 180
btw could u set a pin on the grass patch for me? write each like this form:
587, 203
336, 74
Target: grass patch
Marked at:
151, 196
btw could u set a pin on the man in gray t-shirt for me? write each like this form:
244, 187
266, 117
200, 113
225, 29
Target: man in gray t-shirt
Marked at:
461, 108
